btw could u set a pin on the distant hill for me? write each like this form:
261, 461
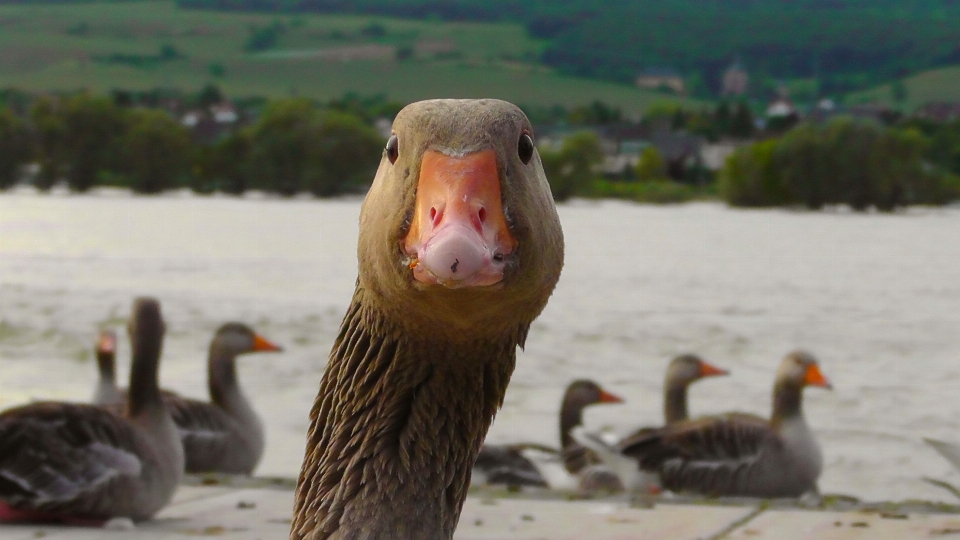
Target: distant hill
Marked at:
142, 45
843, 45
941, 84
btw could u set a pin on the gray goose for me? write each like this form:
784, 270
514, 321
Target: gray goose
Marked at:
739, 454
506, 464
682, 371
224, 435
106, 391
82, 464
460, 247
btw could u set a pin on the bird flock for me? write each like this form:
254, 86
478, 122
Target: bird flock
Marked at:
460, 248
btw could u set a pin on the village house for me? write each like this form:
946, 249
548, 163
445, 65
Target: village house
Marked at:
659, 79
735, 80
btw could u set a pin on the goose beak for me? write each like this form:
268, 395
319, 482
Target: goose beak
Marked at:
458, 236
607, 397
261, 344
709, 370
814, 377
107, 343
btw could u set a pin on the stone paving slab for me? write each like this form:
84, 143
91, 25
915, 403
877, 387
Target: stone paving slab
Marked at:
815, 525
248, 512
520, 519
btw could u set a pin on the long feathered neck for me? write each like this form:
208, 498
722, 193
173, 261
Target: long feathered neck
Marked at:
106, 361
674, 402
395, 430
787, 401
144, 389
571, 416
222, 374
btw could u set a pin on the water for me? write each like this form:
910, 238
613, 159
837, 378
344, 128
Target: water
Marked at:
875, 297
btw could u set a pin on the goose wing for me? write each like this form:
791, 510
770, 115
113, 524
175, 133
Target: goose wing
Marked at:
206, 431
714, 455
67, 458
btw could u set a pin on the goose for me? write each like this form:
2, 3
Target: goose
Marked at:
526, 464
739, 454
460, 247
224, 435
682, 371
82, 464
106, 391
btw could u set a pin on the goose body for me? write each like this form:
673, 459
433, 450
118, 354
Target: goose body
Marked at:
80, 463
225, 434
738, 454
460, 247
533, 465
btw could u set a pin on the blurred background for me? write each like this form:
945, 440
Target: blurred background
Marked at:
735, 178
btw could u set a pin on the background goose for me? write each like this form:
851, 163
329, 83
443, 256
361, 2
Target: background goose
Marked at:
83, 464
223, 435
106, 391
526, 464
682, 371
460, 247
739, 454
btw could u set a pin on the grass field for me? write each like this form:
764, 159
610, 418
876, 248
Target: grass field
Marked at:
147, 44
934, 85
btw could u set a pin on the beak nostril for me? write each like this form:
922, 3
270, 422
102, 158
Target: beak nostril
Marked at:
482, 214
433, 215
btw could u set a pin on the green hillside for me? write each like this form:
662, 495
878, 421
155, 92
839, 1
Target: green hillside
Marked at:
844, 44
142, 45
934, 85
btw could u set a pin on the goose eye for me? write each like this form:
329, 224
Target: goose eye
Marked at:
393, 149
525, 148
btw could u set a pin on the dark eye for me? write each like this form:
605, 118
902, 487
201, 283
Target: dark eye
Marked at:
525, 148
393, 149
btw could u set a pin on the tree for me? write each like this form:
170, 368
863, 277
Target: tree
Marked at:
50, 139
91, 127
209, 95
15, 147
346, 153
225, 165
723, 116
651, 166
741, 124
571, 169
282, 143
157, 151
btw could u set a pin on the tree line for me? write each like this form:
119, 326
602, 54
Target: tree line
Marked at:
847, 161
86, 140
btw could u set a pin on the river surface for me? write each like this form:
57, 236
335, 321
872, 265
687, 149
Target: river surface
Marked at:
875, 297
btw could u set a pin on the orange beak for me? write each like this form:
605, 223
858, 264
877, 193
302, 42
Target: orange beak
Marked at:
459, 235
260, 344
107, 343
709, 370
607, 397
815, 378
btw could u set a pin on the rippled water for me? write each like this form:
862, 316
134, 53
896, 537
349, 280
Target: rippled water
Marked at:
875, 297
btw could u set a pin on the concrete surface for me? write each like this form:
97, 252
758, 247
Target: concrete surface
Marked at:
248, 511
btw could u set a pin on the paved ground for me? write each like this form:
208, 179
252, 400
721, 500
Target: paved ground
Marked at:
261, 511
